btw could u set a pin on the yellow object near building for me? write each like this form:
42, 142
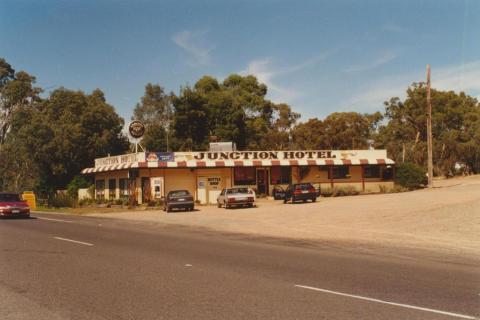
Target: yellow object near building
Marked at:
29, 196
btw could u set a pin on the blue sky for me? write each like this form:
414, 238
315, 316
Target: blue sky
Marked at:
318, 56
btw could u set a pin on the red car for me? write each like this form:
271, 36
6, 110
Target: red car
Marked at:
11, 205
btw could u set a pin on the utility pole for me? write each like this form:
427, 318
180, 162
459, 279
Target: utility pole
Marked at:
429, 131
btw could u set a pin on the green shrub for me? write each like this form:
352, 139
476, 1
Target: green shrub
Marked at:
85, 202
61, 200
326, 192
91, 191
344, 191
78, 182
151, 203
397, 189
410, 176
382, 189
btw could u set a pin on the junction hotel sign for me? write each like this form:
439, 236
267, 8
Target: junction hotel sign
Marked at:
263, 155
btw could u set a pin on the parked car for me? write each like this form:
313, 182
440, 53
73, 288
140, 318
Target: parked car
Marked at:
178, 199
278, 193
300, 192
11, 205
231, 197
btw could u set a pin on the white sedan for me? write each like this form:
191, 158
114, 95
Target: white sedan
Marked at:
231, 197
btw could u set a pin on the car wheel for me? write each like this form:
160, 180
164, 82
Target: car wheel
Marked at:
169, 209
191, 208
285, 200
219, 205
304, 200
250, 205
314, 199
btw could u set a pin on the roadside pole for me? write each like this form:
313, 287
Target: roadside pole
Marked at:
429, 131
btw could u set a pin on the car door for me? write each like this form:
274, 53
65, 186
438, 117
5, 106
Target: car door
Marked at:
288, 192
221, 196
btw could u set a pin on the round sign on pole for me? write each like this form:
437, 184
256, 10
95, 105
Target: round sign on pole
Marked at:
136, 129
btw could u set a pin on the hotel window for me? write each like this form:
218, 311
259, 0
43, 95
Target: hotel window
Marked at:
340, 172
387, 173
112, 188
244, 176
371, 172
123, 184
100, 189
281, 175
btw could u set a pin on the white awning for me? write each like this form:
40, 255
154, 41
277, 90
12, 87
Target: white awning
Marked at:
238, 163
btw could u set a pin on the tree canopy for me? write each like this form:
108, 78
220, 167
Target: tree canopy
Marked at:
338, 131
51, 142
235, 110
16, 91
155, 111
455, 129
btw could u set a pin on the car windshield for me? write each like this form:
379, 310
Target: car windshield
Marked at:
237, 190
9, 197
303, 186
180, 193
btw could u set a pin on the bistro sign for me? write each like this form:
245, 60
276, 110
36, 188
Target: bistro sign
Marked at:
263, 155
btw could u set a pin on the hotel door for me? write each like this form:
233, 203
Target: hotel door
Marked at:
262, 181
146, 190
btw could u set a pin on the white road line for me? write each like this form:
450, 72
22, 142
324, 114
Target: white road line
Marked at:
389, 303
74, 241
58, 220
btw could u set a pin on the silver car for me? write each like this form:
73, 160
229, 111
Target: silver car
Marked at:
231, 197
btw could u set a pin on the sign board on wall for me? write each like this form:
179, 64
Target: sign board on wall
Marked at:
262, 155
214, 182
279, 155
124, 158
160, 156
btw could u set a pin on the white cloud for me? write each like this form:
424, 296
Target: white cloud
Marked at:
267, 73
380, 60
464, 77
194, 43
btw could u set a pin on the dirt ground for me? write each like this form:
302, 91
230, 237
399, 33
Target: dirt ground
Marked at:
445, 219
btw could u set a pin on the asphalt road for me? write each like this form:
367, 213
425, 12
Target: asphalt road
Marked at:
70, 267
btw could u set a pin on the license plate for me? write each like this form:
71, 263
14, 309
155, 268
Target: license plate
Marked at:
15, 211
304, 191
241, 199
181, 199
